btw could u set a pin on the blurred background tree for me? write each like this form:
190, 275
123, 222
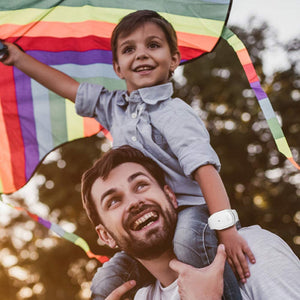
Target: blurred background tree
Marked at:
261, 184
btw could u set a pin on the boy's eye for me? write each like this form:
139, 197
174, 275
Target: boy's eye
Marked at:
154, 45
127, 49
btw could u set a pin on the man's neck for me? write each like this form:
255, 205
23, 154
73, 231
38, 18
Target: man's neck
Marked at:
159, 268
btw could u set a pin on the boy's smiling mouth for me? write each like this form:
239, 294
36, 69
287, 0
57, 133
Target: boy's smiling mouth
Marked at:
143, 68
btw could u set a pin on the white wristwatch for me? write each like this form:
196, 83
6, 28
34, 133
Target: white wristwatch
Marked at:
223, 219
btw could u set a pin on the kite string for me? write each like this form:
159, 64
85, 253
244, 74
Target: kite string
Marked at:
71, 237
261, 96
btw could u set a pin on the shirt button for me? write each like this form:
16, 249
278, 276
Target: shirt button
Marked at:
133, 138
133, 115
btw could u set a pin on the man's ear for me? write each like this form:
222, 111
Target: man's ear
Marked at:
117, 69
171, 195
105, 237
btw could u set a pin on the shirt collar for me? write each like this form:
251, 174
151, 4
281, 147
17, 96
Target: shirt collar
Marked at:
149, 95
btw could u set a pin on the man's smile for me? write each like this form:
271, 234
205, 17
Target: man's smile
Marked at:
142, 219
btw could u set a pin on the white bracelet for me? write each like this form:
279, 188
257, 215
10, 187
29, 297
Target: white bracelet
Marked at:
223, 219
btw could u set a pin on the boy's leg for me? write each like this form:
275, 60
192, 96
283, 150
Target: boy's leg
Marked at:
119, 269
196, 244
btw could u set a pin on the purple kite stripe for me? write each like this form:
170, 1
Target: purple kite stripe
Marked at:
259, 92
73, 57
44, 222
27, 121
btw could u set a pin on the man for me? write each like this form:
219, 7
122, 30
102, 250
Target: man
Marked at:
132, 208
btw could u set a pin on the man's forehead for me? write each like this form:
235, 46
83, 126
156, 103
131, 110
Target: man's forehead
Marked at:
123, 173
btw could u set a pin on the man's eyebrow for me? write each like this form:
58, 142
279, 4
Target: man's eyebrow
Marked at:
107, 193
134, 175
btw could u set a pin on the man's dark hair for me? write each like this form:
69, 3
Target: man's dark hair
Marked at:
138, 18
102, 168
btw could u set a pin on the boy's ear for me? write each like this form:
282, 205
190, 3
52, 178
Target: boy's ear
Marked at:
170, 195
105, 237
118, 69
176, 58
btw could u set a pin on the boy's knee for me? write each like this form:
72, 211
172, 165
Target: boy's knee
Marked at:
119, 269
195, 247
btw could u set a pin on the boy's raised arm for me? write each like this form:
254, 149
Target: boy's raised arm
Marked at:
216, 199
54, 80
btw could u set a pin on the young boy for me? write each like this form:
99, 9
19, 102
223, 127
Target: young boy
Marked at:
145, 55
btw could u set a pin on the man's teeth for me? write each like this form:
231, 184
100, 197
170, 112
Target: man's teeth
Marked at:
146, 219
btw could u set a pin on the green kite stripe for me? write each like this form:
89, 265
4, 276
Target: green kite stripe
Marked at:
275, 128
63, 14
214, 11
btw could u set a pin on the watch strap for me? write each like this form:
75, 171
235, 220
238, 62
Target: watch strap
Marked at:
223, 219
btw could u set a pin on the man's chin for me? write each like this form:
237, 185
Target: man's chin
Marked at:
150, 243
150, 248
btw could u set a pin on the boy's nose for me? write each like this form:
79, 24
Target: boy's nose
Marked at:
141, 54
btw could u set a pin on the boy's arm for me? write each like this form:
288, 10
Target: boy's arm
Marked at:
54, 80
216, 198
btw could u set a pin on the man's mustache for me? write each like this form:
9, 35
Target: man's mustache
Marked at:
138, 210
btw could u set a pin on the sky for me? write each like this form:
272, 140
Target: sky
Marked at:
281, 15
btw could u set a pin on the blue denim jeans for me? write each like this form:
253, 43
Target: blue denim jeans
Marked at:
194, 244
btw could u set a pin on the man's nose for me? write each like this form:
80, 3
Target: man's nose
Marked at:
134, 203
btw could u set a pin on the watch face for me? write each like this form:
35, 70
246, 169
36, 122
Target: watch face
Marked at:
226, 218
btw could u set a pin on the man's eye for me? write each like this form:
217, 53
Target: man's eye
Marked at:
140, 186
112, 202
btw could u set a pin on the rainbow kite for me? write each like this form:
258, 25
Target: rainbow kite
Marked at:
74, 37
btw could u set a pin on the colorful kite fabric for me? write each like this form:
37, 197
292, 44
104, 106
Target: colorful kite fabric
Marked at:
74, 37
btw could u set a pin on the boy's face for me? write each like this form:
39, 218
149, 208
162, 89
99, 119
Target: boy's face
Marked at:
144, 58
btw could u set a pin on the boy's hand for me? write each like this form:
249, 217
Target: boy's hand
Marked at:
14, 54
237, 250
121, 290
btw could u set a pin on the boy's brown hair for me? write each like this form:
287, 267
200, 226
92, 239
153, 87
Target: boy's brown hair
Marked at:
133, 20
103, 167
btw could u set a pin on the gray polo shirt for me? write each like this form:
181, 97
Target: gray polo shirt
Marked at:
163, 128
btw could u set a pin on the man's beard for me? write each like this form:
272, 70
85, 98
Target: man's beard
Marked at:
156, 241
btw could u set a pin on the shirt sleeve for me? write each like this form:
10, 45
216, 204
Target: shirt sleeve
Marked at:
187, 137
95, 101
